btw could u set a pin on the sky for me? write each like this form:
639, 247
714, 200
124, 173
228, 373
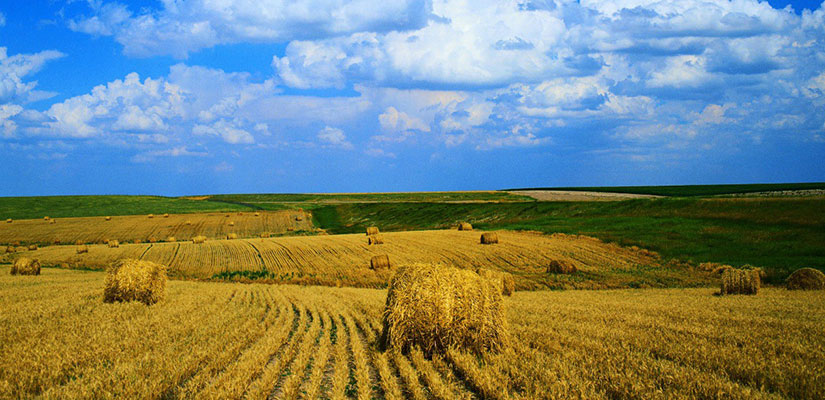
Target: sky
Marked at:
178, 97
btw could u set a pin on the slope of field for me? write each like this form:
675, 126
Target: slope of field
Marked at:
231, 341
345, 259
141, 227
267, 200
692, 190
778, 234
90, 206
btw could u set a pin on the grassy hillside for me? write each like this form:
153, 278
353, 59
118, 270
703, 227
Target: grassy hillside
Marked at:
780, 234
90, 206
693, 190
270, 200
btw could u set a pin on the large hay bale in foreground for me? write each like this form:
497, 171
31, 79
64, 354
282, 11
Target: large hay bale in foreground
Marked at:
561, 267
501, 279
372, 230
489, 238
82, 249
198, 239
436, 307
380, 261
135, 280
806, 279
465, 226
375, 239
113, 244
25, 266
740, 281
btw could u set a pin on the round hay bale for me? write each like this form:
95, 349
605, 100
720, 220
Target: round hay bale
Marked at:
9, 249
137, 241
375, 239
806, 279
231, 223
105, 241
561, 267
25, 266
740, 281
227, 215
171, 239
32, 247
56, 241
79, 242
135, 280
152, 239
108, 218
82, 249
231, 235
240, 213
52, 221
489, 238
165, 215
372, 230
502, 280
188, 222
151, 216
198, 239
299, 218
257, 214
380, 261
436, 308
264, 235
113, 244
465, 226
46, 218
9, 220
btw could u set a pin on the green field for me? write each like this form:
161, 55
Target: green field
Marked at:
270, 200
92, 206
693, 190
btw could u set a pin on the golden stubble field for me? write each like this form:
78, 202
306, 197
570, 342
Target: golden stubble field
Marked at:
229, 340
345, 259
129, 228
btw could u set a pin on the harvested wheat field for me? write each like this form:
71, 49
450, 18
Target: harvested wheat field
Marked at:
345, 259
139, 227
58, 339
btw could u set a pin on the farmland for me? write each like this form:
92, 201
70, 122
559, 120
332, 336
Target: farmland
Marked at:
344, 259
215, 340
142, 227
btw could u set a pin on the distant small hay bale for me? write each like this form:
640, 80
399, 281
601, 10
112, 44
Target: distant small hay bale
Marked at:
231, 223
135, 280
152, 239
188, 222
240, 213
82, 249
151, 216
46, 218
806, 279
32, 247
465, 226
56, 241
198, 239
489, 238
171, 239
561, 267
257, 214
165, 215
113, 244
380, 261
105, 241
9, 220
108, 218
375, 239
9, 249
227, 215
18, 249
25, 266
79, 242
15, 243
290, 229
501, 279
231, 235
372, 230
264, 235
740, 281
299, 218
52, 221
437, 308
137, 241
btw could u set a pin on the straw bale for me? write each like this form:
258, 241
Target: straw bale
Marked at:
25, 266
135, 280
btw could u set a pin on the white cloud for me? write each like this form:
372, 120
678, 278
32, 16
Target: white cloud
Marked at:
229, 130
173, 152
2, 19
180, 28
334, 137
13, 70
392, 120
7, 126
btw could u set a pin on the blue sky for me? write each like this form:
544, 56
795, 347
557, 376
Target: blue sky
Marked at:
181, 97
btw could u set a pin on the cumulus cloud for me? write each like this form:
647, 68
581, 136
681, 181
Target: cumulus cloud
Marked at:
230, 131
13, 71
173, 152
182, 27
334, 137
